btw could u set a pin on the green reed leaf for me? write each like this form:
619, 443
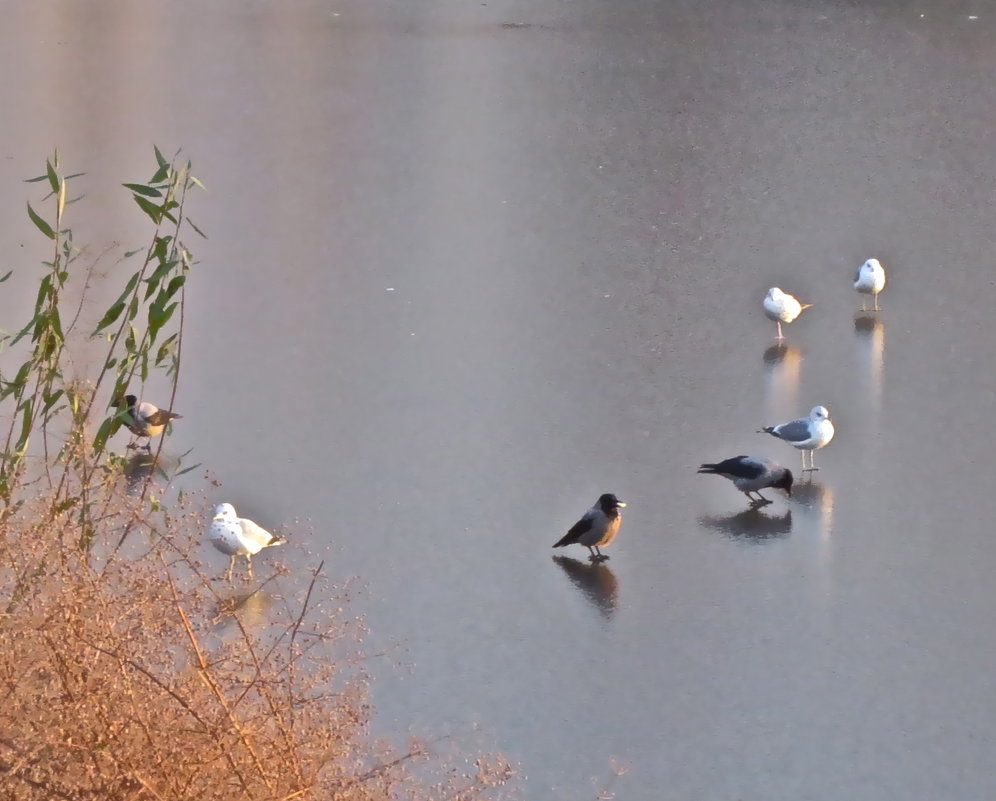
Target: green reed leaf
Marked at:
142, 189
42, 226
53, 178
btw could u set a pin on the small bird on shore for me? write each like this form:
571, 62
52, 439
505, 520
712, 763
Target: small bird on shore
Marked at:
752, 474
143, 419
870, 280
597, 528
238, 536
806, 434
782, 308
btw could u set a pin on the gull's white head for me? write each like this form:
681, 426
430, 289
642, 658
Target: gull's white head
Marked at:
819, 413
775, 292
872, 264
225, 511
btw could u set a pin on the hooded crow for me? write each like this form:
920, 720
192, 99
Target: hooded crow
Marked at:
752, 474
143, 419
597, 528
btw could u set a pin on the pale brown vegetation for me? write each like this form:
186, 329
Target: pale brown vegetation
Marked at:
118, 683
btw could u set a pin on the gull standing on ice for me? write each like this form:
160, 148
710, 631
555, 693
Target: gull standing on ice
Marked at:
238, 536
806, 434
143, 419
597, 528
870, 280
782, 308
750, 474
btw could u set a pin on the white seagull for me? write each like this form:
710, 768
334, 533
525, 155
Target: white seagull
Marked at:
752, 474
782, 308
806, 434
238, 536
597, 528
870, 280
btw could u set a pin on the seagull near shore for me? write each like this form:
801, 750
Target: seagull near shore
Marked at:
782, 308
752, 474
597, 528
807, 434
143, 419
870, 280
238, 536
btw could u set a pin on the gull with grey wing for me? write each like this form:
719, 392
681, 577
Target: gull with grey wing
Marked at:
238, 536
806, 434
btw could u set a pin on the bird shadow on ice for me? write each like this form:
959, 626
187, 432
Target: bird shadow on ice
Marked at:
751, 524
596, 581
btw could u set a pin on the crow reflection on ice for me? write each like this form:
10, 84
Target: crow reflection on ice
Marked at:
751, 524
596, 581
143, 464
137, 469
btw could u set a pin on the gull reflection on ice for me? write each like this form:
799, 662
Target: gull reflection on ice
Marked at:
782, 363
870, 332
814, 504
